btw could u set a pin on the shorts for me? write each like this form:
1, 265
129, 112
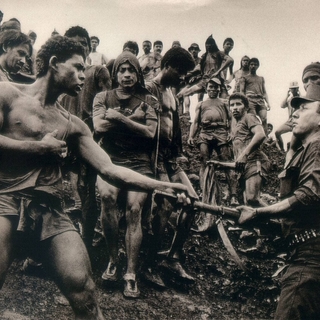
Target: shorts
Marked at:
38, 218
137, 165
253, 167
256, 104
213, 138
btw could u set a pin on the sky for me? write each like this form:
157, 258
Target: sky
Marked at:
282, 34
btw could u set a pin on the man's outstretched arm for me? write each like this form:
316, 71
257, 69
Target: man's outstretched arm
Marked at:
118, 176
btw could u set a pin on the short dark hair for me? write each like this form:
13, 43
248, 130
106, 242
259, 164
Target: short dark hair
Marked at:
178, 58
95, 38
157, 42
242, 97
131, 45
15, 19
228, 40
78, 31
61, 47
147, 41
13, 38
255, 60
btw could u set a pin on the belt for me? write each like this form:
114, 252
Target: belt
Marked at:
302, 237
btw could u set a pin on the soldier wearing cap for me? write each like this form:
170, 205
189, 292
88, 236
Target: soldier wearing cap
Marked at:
299, 210
287, 126
212, 120
311, 74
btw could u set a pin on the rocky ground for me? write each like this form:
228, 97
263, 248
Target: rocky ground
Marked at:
221, 290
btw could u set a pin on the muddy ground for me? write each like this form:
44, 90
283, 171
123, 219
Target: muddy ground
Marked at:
221, 290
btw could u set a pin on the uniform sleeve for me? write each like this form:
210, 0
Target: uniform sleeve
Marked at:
308, 191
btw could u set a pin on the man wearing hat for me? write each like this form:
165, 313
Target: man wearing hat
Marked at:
299, 210
287, 126
212, 119
311, 74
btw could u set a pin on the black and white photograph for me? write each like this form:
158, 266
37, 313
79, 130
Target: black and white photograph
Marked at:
160, 159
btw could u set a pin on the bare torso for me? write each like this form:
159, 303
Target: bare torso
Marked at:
166, 119
24, 118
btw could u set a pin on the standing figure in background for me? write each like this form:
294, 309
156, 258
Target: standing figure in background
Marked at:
213, 121
253, 87
213, 63
228, 45
237, 75
157, 50
95, 57
247, 136
147, 61
82, 176
174, 65
126, 120
287, 126
192, 78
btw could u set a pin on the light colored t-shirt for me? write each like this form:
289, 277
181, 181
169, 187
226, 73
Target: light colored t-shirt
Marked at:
97, 58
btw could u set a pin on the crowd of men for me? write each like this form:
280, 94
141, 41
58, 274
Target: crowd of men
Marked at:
114, 126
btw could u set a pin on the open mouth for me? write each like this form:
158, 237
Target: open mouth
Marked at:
79, 87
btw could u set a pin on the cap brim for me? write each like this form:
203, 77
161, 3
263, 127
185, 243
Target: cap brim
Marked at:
297, 101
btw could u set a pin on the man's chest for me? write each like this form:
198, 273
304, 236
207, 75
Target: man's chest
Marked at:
34, 122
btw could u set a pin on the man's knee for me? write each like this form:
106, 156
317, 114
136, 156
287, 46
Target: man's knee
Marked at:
82, 297
133, 214
108, 197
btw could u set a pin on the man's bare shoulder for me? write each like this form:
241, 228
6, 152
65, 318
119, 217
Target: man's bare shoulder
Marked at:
10, 91
76, 126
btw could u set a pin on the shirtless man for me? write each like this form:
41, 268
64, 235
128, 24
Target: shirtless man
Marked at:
287, 126
126, 120
247, 136
83, 177
191, 77
228, 45
35, 133
95, 57
237, 75
213, 63
212, 119
174, 65
253, 86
